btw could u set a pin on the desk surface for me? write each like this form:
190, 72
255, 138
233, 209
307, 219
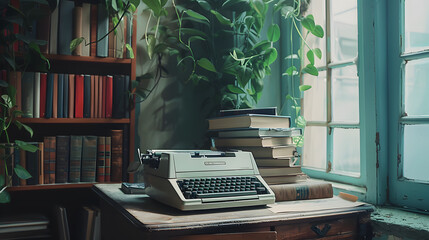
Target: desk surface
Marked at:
152, 216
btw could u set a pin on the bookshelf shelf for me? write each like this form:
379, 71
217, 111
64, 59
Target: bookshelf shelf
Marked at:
50, 186
87, 59
74, 120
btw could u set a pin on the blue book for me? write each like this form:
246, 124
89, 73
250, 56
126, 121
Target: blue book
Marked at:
66, 96
89, 158
49, 95
27, 83
87, 96
60, 101
65, 26
102, 30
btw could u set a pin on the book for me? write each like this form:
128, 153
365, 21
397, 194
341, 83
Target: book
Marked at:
103, 96
86, 224
62, 159
46, 160
75, 158
109, 96
23, 226
253, 142
120, 40
279, 171
51, 157
34, 165
66, 96
96, 96
108, 158
264, 111
101, 160
93, 30
77, 28
102, 30
125, 152
89, 159
49, 95
271, 152
71, 95
249, 121
274, 162
309, 189
133, 188
62, 223
65, 26
118, 98
55, 97
111, 40
36, 95
260, 132
43, 84
27, 101
86, 96
60, 94
53, 35
86, 28
285, 179
79, 96
40, 158
116, 157
92, 100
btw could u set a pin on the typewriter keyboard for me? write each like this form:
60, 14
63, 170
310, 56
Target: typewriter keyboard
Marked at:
220, 187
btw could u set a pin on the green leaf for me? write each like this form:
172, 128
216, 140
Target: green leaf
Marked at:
292, 56
287, 11
271, 54
259, 7
298, 141
310, 56
196, 15
114, 6
222, 19
204, 4
76, 42
249, 21
235, 89
310, 69
7, 100
273, 33
27, 128
318, 31
300, 122
136, 3
206, 64
4, 197
151, 41
303, 88
155, 6
25, 146
289, 97
318, 53
308, 23
193, 38
130, 50
120, 4
261, 46
21, 172
132, 8
193, 32
291, 71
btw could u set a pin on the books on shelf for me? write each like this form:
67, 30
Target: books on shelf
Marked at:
253, 142
274, 162
279, 171
272, 152
116, 155
24, 226
308, 189
264, 110
249, 121
260, 132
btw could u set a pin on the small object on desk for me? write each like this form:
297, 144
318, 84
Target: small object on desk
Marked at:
348, 197
133, 188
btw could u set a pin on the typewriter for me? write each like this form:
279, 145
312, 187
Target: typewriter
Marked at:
197, 180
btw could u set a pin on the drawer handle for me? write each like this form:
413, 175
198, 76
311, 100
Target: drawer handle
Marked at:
323, 232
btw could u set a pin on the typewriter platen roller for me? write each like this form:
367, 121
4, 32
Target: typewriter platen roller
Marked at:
197, 180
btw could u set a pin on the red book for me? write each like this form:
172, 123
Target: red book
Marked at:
109, 96
71, 95
92, 102
100, 96
43, 82
103, 101
78, 100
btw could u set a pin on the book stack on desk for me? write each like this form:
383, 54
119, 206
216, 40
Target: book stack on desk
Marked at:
267, 135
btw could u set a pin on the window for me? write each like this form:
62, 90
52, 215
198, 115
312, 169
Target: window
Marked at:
332, 137
408, 69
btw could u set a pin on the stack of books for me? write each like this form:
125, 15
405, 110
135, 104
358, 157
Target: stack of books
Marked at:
28, 226
268, 137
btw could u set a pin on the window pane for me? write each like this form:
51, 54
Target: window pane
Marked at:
344, 42
345, 95
416, 25
314, 147
417, 87
317, 9
416, 144
314, 107
346, 151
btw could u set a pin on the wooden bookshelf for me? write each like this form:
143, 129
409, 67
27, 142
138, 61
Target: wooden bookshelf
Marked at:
50, 186
74, 120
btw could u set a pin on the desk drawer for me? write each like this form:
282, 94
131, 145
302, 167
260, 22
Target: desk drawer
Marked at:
341, 228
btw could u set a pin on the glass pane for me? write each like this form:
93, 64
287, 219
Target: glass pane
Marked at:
317, 8
416, 25
417, 87
344, 41
345, 95
416, 144
314, 147
346, 151
314, 107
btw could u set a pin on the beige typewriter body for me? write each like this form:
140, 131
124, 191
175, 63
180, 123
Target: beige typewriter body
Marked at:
162, 182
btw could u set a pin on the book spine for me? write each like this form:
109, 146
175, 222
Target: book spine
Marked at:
27, 94
96, 95
53, 38
75, 158
93, 30
63, 158
87, 96
55, 97
71, 95
89, 159
108, 158
109, 96
116, 157
77, 28
118, 110
125, 152
60, 102
102, 97
102, 30
126, 96
32, 166
86, 27
46, 160
111, 40
36, 95
40, 165
92, 100
52, 151
290, 192
65, 26
66, 96
101, 161
43, 83
79, 96
49, 95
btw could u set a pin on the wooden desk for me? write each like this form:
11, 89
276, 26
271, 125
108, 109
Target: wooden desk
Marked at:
139, 217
